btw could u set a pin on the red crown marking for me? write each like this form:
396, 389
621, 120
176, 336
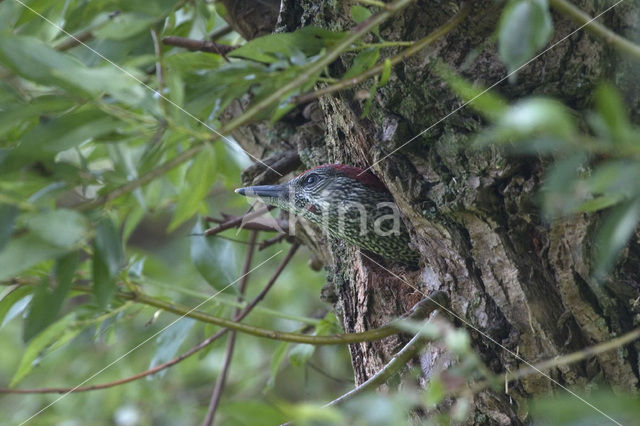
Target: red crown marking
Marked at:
361, 175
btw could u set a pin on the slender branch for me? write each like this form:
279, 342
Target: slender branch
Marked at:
421, 310
232, 223
415, 48
271, 241
84, 36
74, 41
571, 358
245, 311
231, 340
315, 68
260, 296
198, 45
576, 356
159, 70
220, 32
595, 28
399, 360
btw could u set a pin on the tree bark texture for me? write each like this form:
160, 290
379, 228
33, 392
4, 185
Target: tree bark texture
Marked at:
473, 215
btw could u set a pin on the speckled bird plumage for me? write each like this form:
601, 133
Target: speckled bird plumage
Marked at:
334, 196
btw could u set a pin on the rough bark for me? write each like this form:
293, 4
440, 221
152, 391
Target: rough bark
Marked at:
523, 281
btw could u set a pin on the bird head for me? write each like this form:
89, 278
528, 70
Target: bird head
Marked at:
322, 190
348, 202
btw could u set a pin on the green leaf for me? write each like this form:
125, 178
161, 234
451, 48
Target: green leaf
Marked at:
599, 203
55, 336
276, 361
300, 354
272, 48
613, 235
107, 260
525, 27
361, 14
487, 103
254, 413
328, 325
14, 302
559, 193
386, 73
198, 182
19, 114
59, 134
124, 25
613, 115
24, 252
41, 313
434, 393
8, 214
46, 305
64, 271
362, 62
565, 408
213, 257
63, 228
169, 341
36, 61
531, 117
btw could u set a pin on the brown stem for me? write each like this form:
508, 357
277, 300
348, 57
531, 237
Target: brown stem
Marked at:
220, 32
271, 241
198, 45
237, 221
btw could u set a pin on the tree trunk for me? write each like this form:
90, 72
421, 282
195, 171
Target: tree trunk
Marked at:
512, 276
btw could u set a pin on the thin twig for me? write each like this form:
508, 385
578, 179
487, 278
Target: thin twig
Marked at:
84, 36
271, 241
220, 32
159, 71
199, 45
571, 358
231, 340
595, 28
399, 361
415, 48
237, 221
425, 307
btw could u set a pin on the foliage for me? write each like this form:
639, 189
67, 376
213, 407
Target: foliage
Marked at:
78, 123
107, 164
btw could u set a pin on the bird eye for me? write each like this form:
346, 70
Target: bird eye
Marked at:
311, 179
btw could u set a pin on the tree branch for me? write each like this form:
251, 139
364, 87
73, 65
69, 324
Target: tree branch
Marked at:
198, 45
595, 28
245, 311
415, 48
421, 310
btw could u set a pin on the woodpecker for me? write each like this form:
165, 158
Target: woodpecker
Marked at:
350, 203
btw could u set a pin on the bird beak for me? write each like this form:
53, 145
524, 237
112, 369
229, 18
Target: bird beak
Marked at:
267, 191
